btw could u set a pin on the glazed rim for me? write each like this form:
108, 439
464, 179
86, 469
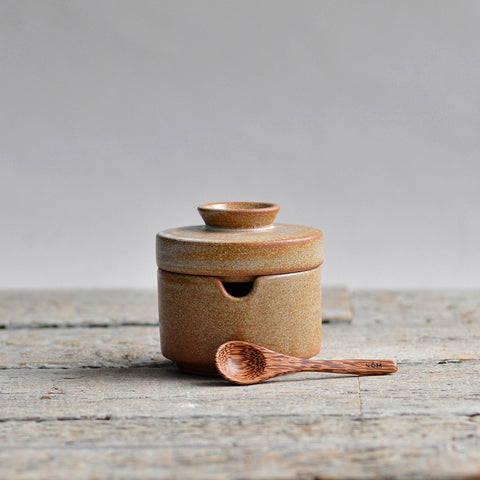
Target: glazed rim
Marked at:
240, 206
239, 215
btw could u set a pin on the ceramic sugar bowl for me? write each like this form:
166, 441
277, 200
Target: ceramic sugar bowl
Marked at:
238, 277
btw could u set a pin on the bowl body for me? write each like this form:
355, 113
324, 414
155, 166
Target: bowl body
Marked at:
198, 313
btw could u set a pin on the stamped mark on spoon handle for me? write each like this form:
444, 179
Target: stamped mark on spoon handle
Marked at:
355, 367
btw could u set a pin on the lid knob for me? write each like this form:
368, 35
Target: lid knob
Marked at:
239, 215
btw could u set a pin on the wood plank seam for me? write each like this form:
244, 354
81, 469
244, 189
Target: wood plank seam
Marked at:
360, 396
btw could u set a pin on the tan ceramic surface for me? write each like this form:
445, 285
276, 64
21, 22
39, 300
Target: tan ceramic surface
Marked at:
277, 249
197, 315
246, 214
239, 239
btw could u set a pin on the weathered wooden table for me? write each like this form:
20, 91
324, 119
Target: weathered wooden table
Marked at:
85, 393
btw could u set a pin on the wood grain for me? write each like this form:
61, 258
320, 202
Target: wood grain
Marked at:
107, 308
298, 447
245, 363
101, 402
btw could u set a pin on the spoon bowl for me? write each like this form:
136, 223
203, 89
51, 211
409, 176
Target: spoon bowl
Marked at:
240, 360
245, 363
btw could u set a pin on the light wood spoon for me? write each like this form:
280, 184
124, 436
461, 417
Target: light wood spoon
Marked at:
245, 363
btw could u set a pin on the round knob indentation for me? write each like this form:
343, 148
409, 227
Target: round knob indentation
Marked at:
239, 215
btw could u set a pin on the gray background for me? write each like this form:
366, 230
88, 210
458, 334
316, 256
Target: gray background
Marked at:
360, 118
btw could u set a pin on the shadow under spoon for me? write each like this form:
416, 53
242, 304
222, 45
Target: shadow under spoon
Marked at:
245, 363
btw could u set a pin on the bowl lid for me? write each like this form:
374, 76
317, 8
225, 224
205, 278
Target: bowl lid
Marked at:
239, 239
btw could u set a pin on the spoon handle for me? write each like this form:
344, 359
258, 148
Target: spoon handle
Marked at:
355, 367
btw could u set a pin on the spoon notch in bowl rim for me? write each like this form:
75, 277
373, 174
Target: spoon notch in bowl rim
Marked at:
245, 363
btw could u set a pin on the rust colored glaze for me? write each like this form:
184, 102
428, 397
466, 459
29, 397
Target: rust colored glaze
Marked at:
246, 214
197, 314
244, 363
190, 250
239, 277
236, 251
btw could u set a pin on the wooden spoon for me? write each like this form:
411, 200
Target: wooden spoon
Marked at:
246, 363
